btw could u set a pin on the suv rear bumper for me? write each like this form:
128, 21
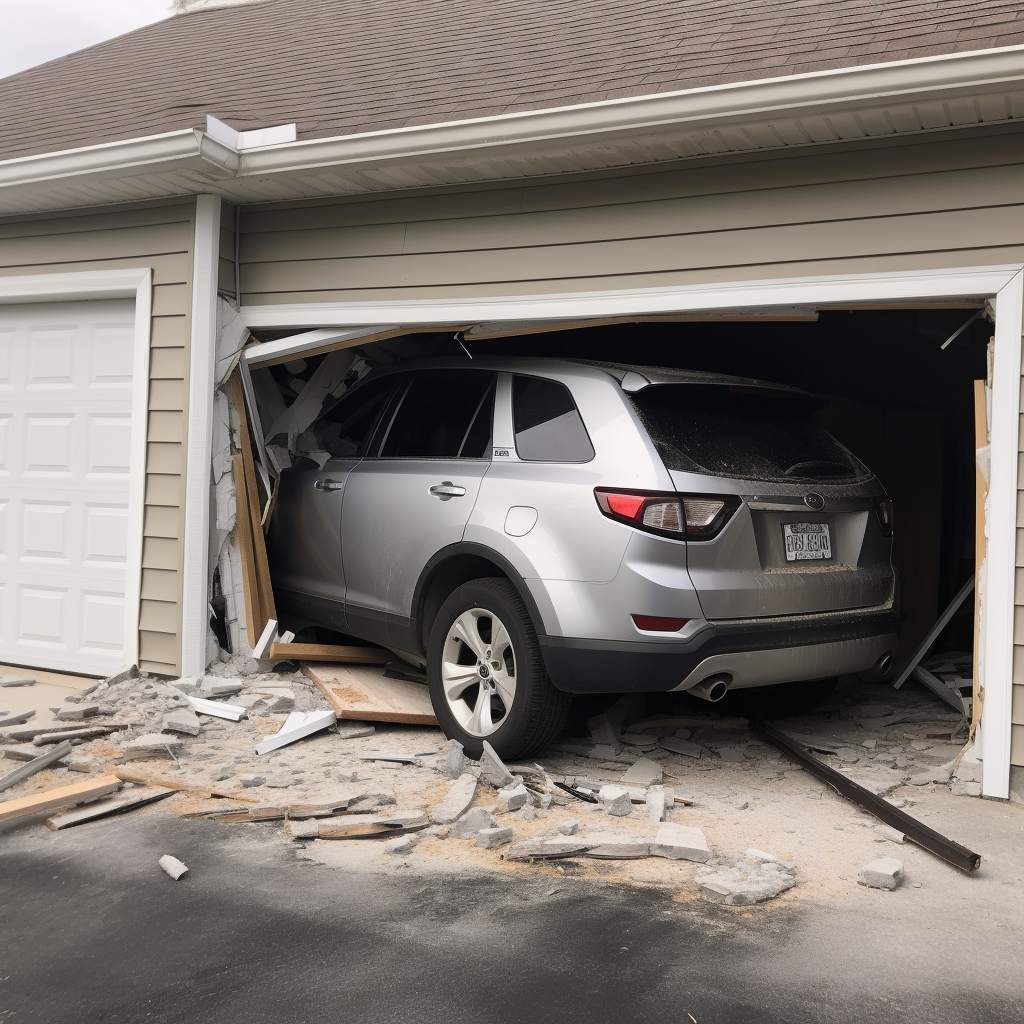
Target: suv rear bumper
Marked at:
753, 652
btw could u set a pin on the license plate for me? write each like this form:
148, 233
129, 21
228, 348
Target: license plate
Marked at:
806, 541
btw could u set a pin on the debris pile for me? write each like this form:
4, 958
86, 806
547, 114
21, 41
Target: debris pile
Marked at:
758, 876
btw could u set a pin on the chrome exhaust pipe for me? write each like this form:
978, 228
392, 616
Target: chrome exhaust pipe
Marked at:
713, 689
884, 663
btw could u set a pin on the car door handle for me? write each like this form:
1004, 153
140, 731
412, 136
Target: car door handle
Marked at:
328, 485
447, 491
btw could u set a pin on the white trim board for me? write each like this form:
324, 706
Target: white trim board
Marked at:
199, 453
809, 291
1004, 282
134, 284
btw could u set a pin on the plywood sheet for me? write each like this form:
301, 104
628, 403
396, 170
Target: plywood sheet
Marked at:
365, 695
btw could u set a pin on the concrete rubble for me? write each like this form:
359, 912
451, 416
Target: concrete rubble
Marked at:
884, 873
667, 786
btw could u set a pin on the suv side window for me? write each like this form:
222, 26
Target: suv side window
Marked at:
547, 424
445, 414
345, 428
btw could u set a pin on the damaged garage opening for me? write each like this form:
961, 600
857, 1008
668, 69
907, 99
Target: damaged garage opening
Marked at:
908, 392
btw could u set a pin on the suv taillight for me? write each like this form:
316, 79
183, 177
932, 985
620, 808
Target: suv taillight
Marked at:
695, 516
884, 512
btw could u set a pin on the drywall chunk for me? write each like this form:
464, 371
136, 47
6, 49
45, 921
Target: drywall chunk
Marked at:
612, 847
656, 804
511, 798
569, 828
643, 772
77, 712
884, 873
455, 804
172, 866
492, 768
680, 842
489, 838
615, 800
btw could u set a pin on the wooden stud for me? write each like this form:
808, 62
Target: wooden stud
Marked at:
243, 532
980, 496
165, 782
64, 796
327, 652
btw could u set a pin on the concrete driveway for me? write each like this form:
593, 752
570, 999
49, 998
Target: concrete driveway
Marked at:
92, 931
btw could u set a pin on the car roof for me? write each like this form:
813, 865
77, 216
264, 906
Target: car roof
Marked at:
567, 367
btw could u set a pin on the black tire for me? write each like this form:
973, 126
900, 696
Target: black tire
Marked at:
786, 700
538, 712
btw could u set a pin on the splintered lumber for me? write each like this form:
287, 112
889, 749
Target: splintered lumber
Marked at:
37, 764
330, 652
245, 549
143, 779
118, 804
356, 830
264, 593
63, 796
367, 696
298, 725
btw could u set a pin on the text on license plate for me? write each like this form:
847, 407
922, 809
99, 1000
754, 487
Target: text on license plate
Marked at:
806, 540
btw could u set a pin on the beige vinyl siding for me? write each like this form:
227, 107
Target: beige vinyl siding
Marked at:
932, 204
159, 236
226, 260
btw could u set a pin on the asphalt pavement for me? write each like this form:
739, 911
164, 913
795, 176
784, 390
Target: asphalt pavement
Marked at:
91, 930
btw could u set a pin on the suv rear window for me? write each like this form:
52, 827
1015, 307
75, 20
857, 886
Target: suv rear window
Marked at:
547, 424
744, 432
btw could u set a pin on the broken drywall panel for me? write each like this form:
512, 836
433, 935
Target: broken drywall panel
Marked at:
327, 380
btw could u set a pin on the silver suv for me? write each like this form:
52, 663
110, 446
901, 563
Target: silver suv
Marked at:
529, 529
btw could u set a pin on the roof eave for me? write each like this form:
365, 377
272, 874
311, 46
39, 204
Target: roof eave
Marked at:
742, 116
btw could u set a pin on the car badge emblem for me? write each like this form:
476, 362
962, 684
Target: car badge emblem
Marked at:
815, 502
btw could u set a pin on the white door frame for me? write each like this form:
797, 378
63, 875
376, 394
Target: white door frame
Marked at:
137, 284
1003, 283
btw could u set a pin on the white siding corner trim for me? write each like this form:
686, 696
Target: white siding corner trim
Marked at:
997, 601
195, 570
134, 284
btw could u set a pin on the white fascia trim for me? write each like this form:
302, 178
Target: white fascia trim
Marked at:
789, 96
808, 291
817, 91
137, 284
278, 351
1001, 525
149, 154
199, 450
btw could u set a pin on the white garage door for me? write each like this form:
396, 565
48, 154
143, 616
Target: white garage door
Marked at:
65, 430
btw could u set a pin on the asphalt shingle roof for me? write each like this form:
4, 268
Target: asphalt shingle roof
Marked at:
338, 67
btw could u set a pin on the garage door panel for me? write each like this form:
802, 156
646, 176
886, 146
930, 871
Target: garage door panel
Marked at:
65, 447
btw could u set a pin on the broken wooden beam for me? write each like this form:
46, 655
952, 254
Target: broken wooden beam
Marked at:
369, 697
330, 652
125, 801
63, 796
143, 779
37, 764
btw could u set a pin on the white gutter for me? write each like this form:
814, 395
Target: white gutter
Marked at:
819, 93
712, 106
147, 155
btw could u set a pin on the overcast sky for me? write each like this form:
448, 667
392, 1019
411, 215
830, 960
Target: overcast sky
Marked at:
35, 31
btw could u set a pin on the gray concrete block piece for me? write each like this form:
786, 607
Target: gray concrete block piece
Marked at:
172, 866
78, 712
454, 759
512, 798
280, 781
155, 741
353, 730
615, 800
492, 768
961, 788
475, 819
123, 674
183, 721
489, 838
213, 686
733, 755
884, 873
738, 888
399, 846
569, 828
680, 842
457, 801
643, 772
251, 781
